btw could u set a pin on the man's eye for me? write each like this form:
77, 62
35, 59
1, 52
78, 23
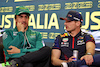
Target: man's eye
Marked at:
26, 17
20, 16
68, 21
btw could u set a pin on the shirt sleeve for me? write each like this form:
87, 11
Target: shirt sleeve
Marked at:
8, 39
89, 37
56, 44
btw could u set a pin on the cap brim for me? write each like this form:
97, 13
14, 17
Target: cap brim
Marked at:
24, 13
62, 18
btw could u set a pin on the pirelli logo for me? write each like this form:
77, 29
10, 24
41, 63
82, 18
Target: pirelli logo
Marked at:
21, 0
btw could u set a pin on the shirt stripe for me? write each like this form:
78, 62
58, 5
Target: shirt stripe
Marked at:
73, 43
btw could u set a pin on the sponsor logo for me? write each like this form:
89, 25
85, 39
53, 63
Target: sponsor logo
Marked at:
80, 38
69, 15
80, 42
76, 18
15, 33
5, 35
65, 34
64, 44
65, 39
32, 36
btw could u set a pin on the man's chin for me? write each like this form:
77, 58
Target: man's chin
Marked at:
25, 27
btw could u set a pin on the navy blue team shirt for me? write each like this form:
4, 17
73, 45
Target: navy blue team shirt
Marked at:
66, 44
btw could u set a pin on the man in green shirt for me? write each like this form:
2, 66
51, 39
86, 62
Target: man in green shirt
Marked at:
24, 43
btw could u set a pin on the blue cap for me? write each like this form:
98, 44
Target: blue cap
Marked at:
73, 16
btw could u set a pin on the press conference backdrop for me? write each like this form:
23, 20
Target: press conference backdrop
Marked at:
45, 16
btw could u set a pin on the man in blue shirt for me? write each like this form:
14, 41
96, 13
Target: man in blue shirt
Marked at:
73, 39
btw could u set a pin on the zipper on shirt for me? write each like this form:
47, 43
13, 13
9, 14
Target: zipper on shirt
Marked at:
26, 40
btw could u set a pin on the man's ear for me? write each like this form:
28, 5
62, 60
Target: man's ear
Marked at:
78, 23
16, 23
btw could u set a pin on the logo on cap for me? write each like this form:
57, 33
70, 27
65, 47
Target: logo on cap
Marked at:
69, 15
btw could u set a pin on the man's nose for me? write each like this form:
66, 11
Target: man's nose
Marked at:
65, 23
24, 19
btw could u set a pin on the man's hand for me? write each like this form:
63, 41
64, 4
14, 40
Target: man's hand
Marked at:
20, 27
13, 50
88, 59
71, 59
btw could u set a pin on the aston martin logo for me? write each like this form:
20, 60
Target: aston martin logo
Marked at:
21, 0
